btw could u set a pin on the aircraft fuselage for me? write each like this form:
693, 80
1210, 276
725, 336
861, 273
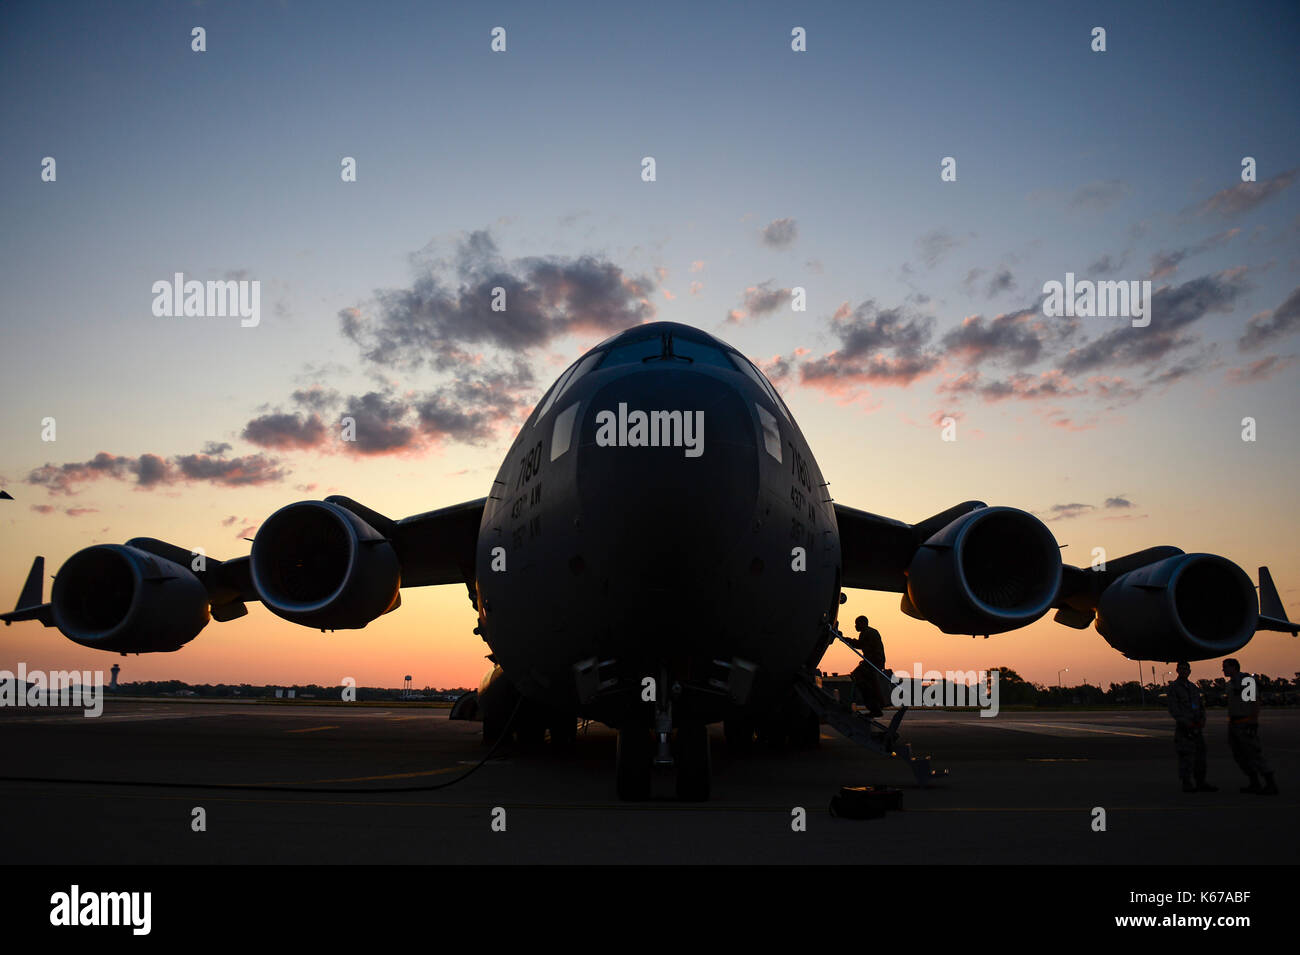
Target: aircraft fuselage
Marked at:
659, 513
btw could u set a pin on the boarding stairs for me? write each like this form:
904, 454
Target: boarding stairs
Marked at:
872, 734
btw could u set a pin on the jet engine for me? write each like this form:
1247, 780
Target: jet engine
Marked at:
318, 564
120, 598
991, 570
1189, 607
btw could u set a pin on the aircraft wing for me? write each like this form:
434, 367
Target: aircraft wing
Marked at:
981, 570
876, 551
332, 564
438, 547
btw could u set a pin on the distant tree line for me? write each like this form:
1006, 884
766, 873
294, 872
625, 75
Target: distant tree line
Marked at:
302, 691
1015, 690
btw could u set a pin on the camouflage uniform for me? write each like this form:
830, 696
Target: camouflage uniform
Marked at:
1243, 730
1188, 711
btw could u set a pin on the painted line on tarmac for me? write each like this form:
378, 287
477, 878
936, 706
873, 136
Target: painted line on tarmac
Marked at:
364, 779
1044, 729
122, 718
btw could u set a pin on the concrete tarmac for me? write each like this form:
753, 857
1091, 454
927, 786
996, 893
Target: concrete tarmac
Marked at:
1022, 788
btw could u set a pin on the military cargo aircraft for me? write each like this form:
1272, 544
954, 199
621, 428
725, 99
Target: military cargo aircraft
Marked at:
659, 551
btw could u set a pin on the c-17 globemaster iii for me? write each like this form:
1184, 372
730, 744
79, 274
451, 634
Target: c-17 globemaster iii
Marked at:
658, 552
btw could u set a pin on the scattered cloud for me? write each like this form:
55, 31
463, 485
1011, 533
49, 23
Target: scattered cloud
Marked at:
779, 233
759, 300
449, 306
150, 470
777, 368
469, 409
935, 245
285, 431
1099, 195
1165, 263
1184, 367
1002, 281
1065, 512
1015, 338
1260, 370
877, 346
1107, 264
1245, 196
1174, 309
1049, 384
1266, 327
79, 511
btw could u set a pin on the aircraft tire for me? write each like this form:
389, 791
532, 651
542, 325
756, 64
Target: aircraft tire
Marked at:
805, 729
564, 734
632, 764
529, 734
694, 769
739, 734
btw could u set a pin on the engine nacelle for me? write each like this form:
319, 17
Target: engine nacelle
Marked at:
119, 598
989, 571
1189, 607
318, 564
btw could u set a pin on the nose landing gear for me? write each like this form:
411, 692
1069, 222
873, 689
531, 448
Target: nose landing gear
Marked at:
637, 756
642, 749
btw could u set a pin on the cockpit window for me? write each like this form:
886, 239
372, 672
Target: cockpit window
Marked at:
584, 366
746, 366
669, 347
633, 353
700, 353
611, 338
568, 380
551, 395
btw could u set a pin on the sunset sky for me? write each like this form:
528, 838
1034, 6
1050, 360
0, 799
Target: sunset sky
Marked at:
775, 170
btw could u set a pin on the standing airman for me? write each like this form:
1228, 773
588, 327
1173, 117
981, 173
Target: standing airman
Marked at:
1188, 711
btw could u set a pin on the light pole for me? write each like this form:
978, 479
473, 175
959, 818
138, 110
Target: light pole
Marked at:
1058, 676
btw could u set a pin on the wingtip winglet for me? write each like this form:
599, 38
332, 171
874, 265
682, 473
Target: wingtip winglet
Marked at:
1271, 612
31, 605
1269, 601
32, 594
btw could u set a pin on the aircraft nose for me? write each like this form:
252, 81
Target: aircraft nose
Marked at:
667, 479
